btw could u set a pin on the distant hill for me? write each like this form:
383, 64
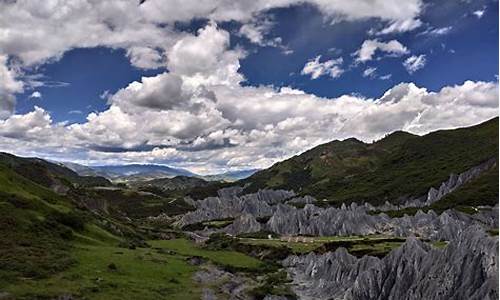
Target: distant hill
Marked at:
397, 167
169, 184
147, 172
49, 174
131, 172
231, 175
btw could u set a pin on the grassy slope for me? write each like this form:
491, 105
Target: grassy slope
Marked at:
399, 166
49, 248
142, 273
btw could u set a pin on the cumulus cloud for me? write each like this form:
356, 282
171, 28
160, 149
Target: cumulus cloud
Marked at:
370, 47
415, 63
162, 92
198, 114
28, 126
205, 58
9, 85
316, 69
269, 125
146, 30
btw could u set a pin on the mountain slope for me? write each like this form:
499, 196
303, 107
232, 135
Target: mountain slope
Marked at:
395, 168
231, 175
131, 172
48, 174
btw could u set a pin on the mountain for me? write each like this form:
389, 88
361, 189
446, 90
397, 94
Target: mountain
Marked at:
231, 175
169, 184
146, 172
398, 167
49, 174
131, 172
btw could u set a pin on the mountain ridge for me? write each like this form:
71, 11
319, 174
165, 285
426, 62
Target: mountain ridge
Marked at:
395, 168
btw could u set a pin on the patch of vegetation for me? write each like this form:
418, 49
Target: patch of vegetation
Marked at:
493, 232
220, 257
210, 190
258, 235
276, 283
378, 247
138, 205
480, 191
108, 272
215, 224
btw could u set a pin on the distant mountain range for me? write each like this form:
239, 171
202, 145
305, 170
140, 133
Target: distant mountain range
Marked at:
145, 172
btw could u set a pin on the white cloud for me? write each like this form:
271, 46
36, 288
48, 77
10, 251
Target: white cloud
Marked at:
414, 63
479, 13
269, 125
369, 72
146, 30
198, 115
36, 94
436, 31
161, 92
370, 47
399, 26
205, 58
9, 85
257, 31
386, 77
28, 126
316, 69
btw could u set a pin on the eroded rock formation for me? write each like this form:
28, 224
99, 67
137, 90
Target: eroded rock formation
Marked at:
466, 269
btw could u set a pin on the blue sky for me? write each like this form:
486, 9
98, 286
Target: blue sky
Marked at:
68, 77
468, 52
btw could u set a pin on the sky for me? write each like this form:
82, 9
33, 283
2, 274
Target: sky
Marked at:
219, 85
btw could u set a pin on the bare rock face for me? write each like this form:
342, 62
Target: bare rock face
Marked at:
455, 181
243, 224
312, 220
355, 220
466, 269
230, 204
434, 194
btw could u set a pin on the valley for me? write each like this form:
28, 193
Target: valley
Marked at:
317, 226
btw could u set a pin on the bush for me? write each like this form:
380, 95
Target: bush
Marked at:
71, 219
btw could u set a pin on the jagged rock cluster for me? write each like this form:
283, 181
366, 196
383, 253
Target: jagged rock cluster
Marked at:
279, 207
466, 269
230, 205
355, 220
284, 219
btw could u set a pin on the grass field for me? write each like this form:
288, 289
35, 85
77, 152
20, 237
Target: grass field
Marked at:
375, 245
103, 271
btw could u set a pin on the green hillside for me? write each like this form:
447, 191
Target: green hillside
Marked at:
53, 247
399, 166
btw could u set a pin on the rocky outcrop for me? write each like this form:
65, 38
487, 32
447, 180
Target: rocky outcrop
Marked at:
243, 224
455, 181
355, 220
433, 195
466, 269
230, 205
312, 220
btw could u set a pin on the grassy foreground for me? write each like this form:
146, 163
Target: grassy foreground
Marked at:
104, 271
